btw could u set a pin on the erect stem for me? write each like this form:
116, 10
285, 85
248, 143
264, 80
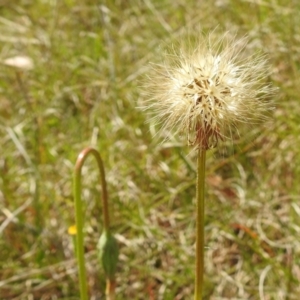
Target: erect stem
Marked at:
110, 289
78, 212
200, 224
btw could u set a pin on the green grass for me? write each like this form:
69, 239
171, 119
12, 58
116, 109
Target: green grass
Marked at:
89, 58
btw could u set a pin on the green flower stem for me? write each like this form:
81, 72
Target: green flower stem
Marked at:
110, 289
78, 213
200, 225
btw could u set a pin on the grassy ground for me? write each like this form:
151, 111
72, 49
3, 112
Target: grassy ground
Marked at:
88, 58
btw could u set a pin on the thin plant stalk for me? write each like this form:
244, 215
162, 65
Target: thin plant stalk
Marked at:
78, 213
37, 149
110, 289
200, 224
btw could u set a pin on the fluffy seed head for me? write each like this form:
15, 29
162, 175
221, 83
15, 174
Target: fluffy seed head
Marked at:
205, 90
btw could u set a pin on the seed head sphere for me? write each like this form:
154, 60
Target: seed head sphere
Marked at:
204, 91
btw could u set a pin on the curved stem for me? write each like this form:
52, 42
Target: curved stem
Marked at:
200, 224
78, 212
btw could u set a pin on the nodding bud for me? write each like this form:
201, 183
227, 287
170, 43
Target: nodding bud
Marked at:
108, 253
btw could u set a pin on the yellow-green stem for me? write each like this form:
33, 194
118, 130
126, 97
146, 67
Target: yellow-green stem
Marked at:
110, 289
200, 225
79, 212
